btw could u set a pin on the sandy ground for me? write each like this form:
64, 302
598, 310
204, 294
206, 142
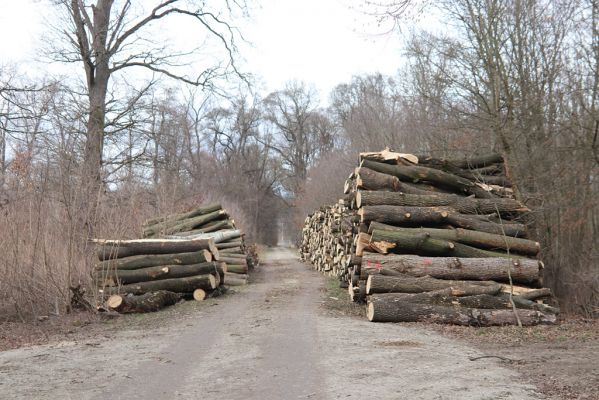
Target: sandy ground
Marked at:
272, 340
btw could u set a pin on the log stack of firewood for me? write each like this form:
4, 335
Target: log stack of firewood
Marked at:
192, 255
425, 239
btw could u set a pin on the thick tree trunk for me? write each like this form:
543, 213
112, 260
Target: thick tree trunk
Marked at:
232, 280
424, 216
434, 176
209, 227
410, 284
237, 268
114, 277
464, 205
179, 217
368, 179
170, 228
147, 302
112, 249
465, 162
423, 244
387, 310
219, 237
521, 270
445, 297
177, 285
469, 237
154, 260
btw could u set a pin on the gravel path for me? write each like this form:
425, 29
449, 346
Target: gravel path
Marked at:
272, 340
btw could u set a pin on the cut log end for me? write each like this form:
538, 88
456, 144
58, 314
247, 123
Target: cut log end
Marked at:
114, 302
369, 310
199, 294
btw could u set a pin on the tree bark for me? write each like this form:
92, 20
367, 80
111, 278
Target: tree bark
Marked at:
521, 270
147, 302
434, 176
179, 217
154, 260
219, 237
177, 285
464, 205
237, 268
170, 228
469, 237
410, 284
368, 179
209, 227
112, 249
465, 162
423, 244
423, 216
114, 277
387, 310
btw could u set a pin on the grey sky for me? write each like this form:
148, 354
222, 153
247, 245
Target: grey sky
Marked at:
321, 42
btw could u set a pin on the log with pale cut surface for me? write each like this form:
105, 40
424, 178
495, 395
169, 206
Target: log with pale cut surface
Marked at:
219, 236
435, 216
466, 236
209, 227
384, 241
409, 284
153, 260
199, 294
464, 205
111, 249
368, 179
147, 302
498, 269
386, 310
388, 156
434, 176
177, 285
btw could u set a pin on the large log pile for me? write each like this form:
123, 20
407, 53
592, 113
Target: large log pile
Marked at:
424, 239
191, 255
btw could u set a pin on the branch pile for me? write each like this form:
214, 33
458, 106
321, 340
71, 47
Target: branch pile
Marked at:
425, 239
192, 255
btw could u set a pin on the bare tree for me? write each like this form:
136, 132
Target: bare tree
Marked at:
105, 36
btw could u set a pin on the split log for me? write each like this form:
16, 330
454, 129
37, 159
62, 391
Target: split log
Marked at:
464, 205
410, 284
434, 176
388, 156
423, 216
521, 270
387, 310
466, 236
177, 285
147, 302
423, 244
153, 260
111, 249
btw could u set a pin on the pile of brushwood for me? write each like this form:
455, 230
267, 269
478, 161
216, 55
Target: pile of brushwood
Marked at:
193, 255
426, 239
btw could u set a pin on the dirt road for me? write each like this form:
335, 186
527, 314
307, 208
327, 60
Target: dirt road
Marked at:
273, 340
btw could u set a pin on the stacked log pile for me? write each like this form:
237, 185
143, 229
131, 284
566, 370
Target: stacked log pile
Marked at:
425, 239
192, 255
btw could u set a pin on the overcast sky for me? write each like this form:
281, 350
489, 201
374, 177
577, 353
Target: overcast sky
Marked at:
321, 42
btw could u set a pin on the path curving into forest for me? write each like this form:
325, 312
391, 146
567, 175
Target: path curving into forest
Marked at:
273, 340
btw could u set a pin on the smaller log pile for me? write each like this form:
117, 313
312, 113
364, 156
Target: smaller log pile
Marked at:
328, 239
194, 255
431, 240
